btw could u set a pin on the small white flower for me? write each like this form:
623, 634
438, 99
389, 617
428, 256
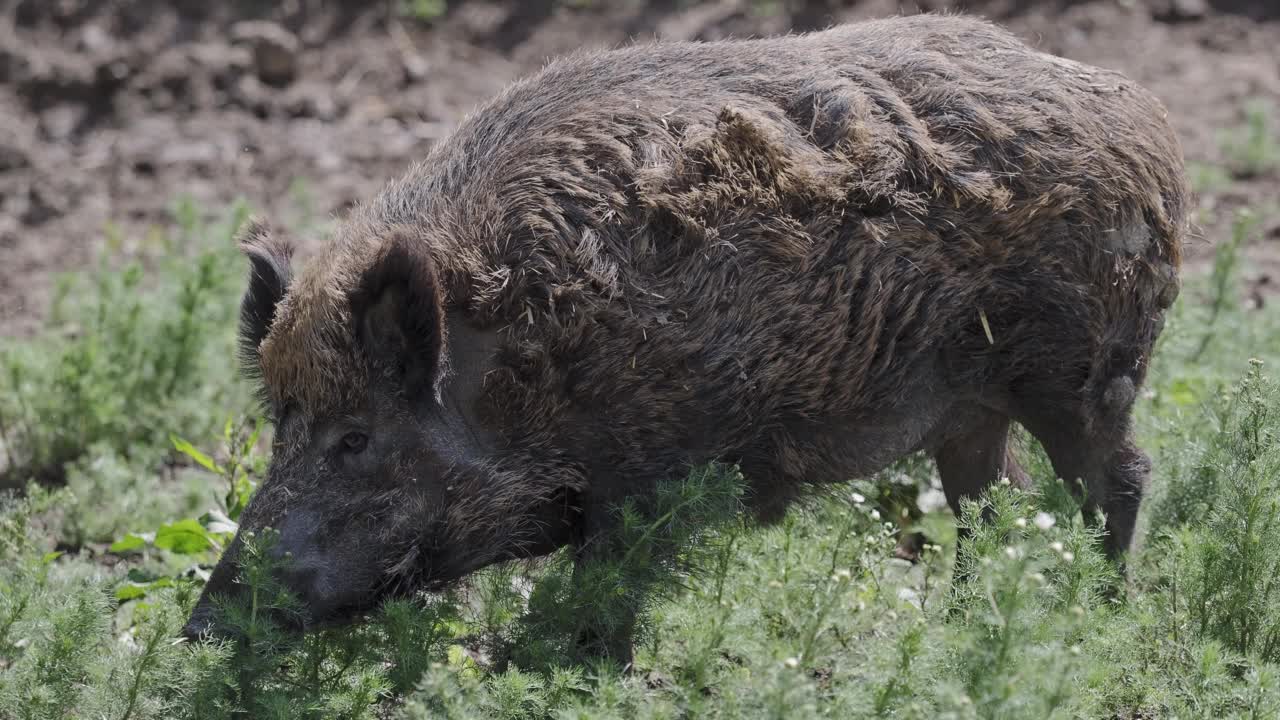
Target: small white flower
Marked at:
858, 498
1075, 649
1038, 578
875, 514
1020, 522
841, 575
775, 584
1012, 552
1044, 520
1056, 546
1068, 556
1077, 611
931, 499
791, 662
1004, 481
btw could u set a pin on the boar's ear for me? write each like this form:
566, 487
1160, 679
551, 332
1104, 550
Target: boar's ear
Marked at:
269, 275
398, 312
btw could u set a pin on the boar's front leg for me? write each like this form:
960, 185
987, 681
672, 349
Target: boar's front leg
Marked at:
605, 629
609, 588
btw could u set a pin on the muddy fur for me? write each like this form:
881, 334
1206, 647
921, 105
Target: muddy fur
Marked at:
809, 255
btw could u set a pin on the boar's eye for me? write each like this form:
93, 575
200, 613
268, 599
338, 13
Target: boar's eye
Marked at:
354, 442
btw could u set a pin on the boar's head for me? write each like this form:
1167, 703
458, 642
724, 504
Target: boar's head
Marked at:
382, 479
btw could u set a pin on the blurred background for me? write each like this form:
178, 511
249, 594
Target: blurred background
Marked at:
108, 110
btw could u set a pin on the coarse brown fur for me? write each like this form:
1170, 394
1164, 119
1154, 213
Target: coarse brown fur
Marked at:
808, 255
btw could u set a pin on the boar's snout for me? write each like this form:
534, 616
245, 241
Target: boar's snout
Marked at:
324, 568
328, 573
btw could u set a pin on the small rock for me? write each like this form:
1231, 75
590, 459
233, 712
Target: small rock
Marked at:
111, 75
13, 157
415, 67
189, 153
480, 18
60, 122
1180, 10
314, 100
168, 78
275, 50
329, 162
42, 206
94, 39
254, 95
1189, 9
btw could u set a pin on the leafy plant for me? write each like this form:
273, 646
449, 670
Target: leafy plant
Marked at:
211, 532
1226, 260
1231, 577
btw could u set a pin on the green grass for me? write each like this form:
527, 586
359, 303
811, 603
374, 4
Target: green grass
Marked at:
132, 353
131, 399
423, 10
1253, 148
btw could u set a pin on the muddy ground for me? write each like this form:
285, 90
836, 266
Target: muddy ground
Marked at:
109, 110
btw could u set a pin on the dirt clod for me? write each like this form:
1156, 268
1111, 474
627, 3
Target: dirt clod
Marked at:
99, 101
275, 50
1180, 10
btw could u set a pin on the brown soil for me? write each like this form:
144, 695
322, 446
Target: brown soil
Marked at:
110, 110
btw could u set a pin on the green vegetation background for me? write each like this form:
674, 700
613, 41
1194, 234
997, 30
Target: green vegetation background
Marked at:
129, 405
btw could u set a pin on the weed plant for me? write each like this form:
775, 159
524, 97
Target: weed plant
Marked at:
1253, 148
127, 400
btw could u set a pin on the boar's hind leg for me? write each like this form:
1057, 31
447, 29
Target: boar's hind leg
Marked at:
974, 456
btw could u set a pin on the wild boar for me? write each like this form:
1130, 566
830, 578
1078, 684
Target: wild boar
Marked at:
808, 255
